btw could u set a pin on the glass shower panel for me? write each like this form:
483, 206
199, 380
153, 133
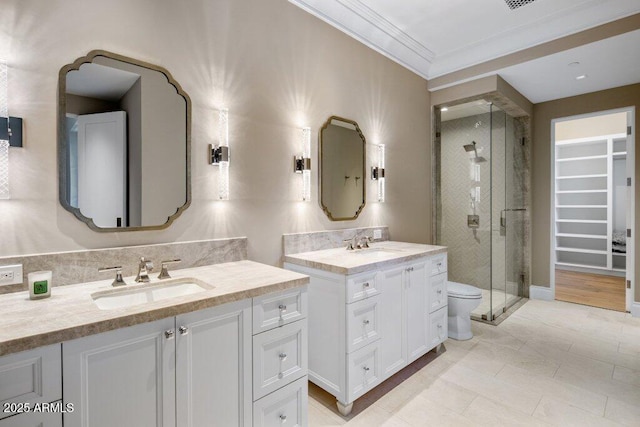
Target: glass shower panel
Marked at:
498, 212
463, 212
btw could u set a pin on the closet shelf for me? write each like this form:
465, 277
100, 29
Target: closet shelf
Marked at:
581, 206
582, 236
581, 250
580, 191
575, 159
599, 175
573, 264
618, 254
620, 155
583, 221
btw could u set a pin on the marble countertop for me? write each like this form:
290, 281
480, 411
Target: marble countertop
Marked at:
71, 313
378, 255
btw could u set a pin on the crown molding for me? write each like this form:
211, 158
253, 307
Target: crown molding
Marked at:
370, 28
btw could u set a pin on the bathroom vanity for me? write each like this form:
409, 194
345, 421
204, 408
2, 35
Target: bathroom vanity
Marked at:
232, 353
372, 311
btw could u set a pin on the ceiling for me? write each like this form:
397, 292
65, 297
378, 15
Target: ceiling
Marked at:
436, 37
100, 82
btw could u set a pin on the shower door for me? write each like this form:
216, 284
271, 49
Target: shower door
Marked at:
508, 212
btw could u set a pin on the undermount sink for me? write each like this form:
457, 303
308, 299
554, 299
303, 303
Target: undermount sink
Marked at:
141, 294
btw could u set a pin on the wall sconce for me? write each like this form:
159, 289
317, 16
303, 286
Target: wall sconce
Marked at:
219, 154
377, 173
10, 132
302, 164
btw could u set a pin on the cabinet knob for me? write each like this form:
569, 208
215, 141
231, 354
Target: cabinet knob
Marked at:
366, 368
283, 418
282, 307
282, 356
365, 321
183, 330
168, 334
439, 291
365, 285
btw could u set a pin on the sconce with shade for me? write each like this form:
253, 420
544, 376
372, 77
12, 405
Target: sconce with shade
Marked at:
10, 132
377, 173
219, 154
302, 164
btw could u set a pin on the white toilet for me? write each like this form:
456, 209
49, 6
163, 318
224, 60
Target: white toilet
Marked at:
462, 300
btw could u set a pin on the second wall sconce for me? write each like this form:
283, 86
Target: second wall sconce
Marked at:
10, 132
219, 154
377, 173
302, 164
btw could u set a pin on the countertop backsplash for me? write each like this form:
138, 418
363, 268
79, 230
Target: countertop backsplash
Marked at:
82, 266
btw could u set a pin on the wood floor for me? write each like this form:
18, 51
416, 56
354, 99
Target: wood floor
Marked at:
595, 290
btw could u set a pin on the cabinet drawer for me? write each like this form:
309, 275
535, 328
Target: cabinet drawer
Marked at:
32, 376
34, 419
287, 406
363, 323
361, 287
279, 357
437, 292
363, 370
438, 264
438, 327
280, 308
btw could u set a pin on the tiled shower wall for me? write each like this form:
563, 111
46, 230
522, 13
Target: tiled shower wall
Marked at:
471, 251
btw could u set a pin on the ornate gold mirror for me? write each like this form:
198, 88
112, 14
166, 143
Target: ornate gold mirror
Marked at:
124, 142
342, 169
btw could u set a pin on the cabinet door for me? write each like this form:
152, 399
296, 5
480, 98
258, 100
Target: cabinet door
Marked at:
121, 378
393, 355
213, 366
416, 284
33, 419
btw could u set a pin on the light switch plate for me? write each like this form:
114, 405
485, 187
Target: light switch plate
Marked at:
377, 234
10, 274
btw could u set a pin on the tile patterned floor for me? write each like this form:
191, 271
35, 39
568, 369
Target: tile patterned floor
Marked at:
549, 363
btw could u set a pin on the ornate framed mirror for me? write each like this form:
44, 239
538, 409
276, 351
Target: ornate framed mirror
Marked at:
124, 143
342, 169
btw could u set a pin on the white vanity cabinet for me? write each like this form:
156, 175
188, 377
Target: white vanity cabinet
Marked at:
365, 327
208, 367
30, 381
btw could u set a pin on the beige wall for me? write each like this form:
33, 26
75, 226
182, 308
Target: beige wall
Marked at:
626, 96
592, 126
274, 66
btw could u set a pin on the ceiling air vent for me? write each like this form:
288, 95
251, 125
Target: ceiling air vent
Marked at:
514, 4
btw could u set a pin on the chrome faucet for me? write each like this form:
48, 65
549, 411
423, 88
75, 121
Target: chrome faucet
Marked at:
143, 270
364, 242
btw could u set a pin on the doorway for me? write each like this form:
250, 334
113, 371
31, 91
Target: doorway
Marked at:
592, 209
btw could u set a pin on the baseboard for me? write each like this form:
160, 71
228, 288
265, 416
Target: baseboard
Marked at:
541, 293
635, 309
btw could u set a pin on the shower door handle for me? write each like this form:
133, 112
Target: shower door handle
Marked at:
503, 215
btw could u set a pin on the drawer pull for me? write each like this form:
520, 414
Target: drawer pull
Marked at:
283, 418
440, 264
365, 285
282, 307
365, 321
283, 356
410, 269
440, 291
366, 368
168, 334
183, 330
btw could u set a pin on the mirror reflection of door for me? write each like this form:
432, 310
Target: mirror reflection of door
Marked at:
102, 167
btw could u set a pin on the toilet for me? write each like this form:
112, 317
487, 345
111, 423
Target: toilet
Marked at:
462, 300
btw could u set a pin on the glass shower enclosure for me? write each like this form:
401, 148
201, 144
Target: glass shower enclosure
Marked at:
481, 176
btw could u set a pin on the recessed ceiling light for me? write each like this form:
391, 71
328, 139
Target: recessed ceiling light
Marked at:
443, 109
581, 77
574, 64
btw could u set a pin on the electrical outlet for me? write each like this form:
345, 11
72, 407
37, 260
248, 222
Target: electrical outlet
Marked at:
377, 234
10, 274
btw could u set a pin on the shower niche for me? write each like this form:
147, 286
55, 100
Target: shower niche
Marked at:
481, 201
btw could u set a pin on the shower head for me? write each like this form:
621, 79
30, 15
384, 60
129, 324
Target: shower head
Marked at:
471, 147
